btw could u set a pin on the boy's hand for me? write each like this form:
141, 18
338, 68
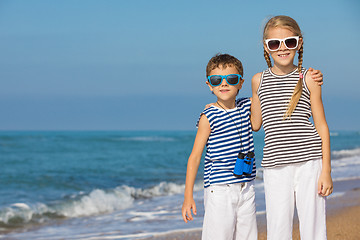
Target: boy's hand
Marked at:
186, 209
209, 105
317, 76
325, 184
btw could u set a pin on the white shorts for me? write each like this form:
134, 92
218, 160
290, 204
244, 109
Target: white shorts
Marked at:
230, 212
289, 185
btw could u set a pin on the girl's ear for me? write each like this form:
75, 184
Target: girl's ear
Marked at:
300, 43
265, 48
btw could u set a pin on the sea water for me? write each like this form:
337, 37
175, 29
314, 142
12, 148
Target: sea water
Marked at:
114, 185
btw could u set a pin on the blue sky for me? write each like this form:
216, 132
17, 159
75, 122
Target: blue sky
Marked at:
126, 65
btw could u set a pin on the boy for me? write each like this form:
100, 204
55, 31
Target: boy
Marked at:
225, 129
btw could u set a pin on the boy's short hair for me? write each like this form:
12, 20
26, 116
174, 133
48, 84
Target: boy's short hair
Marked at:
224, 61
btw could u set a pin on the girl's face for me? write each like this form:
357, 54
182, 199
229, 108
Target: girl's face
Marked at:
283, 56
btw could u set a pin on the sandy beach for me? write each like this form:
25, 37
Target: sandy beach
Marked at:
343, 217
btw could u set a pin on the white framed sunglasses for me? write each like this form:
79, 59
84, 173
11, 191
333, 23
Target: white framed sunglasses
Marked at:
273, 44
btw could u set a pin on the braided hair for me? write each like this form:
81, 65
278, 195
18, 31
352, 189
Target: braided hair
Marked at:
291, 24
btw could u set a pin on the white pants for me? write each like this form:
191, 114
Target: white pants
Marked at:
230, 212
285, 186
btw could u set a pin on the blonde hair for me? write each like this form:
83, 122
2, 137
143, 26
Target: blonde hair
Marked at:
291, 24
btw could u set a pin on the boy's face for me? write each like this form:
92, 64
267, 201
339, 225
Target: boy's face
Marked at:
225, 91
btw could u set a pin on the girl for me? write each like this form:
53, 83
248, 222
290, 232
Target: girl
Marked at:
296, 158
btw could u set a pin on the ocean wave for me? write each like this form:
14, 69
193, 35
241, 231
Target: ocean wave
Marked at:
346, 153
96, 202
145, 139
340, 179
351, 161
346, 164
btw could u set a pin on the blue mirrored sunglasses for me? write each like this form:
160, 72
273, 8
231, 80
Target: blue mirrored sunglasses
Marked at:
231, 79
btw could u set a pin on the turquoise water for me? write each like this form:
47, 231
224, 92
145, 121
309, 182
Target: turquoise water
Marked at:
54, 179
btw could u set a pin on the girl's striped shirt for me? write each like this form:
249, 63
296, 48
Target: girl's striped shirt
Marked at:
290, 140
224, 143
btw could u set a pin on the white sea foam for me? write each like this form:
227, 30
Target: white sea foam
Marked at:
145, 139
346, 165
17, 211
260, 212
346, 153
145, 216
96, 202
101, 201
20, 205
339, 179
346, 161
335, 195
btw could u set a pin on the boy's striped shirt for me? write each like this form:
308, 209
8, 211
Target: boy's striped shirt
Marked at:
224, 143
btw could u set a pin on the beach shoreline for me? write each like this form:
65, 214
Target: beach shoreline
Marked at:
343, 217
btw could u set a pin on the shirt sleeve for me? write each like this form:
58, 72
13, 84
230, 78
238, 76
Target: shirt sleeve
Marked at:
197, 122
243, 101
209, 115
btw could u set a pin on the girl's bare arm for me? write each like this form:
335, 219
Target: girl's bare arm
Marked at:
325, 184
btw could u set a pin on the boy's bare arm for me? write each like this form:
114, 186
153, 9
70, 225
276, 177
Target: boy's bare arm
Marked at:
201, 138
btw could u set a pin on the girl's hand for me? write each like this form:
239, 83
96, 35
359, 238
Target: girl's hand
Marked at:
317, 76
325, 184
209, 105
186, 209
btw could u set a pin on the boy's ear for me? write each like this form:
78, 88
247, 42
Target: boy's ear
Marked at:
241, 83
207, 83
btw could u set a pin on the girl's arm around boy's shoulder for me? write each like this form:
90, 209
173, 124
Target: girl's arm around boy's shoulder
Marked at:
201, 138
325, 185
316, 75
255, 109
